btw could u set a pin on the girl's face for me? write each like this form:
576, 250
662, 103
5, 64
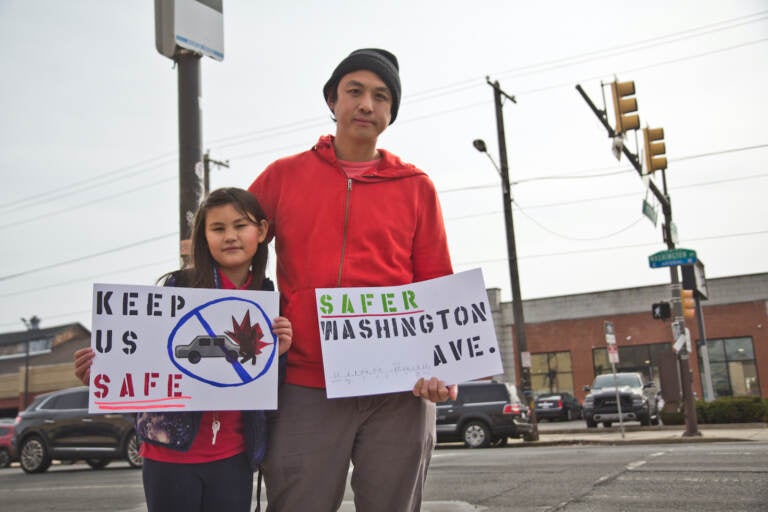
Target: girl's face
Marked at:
233, 239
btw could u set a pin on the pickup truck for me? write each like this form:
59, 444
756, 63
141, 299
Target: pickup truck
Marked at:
637, 397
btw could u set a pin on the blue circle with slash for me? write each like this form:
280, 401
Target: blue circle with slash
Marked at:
198, 314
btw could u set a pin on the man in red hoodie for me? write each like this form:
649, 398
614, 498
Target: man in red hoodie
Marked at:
344, 214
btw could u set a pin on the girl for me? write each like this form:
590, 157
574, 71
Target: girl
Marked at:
204, 461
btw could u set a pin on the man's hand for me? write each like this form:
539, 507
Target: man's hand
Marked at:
435, 390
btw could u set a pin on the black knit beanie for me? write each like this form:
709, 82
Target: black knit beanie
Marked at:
378, 61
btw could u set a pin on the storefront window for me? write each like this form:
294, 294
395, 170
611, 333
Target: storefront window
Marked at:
551, 372
733, 368
636, 358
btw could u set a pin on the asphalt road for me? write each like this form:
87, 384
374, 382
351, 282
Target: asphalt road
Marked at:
578, 478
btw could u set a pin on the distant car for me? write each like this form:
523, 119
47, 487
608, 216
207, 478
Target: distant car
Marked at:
485, 413
57, 426
7, 453
637, 397
557, 406
208, 346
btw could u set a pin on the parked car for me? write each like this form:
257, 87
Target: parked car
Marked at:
485, 413
638, 400
557, 406
7, 454
57, 426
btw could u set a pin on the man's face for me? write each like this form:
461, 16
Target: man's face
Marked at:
363, 107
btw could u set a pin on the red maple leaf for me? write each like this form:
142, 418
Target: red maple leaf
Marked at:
248, 336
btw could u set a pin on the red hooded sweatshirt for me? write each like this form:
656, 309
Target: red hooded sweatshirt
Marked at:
384, 228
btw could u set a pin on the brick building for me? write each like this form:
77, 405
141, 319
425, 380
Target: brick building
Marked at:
48, 355
567, 343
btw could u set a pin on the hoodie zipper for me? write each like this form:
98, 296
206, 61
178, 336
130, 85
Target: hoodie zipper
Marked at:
344, 238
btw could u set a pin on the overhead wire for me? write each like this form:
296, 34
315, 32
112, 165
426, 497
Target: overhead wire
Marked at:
291, 127
109, 176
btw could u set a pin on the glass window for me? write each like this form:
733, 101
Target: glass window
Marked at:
636, 358
739, 349
551, 372
716, 350
732, 367
77, 400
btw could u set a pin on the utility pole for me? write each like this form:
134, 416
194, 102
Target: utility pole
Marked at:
689, 404
207, 161
184, 32
190, 147
514, 276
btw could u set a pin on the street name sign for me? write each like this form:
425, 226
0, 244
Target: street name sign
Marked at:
672, 258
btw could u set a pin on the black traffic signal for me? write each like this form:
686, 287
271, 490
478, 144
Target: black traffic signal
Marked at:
661, 310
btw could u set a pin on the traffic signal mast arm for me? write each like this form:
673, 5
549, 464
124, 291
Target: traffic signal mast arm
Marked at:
633, 158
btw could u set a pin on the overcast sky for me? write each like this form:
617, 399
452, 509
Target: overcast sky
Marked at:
89, 135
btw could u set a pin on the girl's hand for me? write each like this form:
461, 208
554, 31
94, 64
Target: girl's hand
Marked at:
435, 390
281, 327
83, 361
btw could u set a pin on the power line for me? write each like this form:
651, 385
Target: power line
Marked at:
540, 255
611, 248
239, 139
87, 278
89, 256
567, 61
87, 183
120, 194
516, 204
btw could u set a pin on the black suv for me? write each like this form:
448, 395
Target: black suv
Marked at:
637, 397
485, 413
57, 426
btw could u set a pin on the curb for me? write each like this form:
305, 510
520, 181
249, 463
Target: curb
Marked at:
613, 442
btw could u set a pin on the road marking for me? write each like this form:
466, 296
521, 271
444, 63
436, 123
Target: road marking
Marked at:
48, 490
634, 465
430, 506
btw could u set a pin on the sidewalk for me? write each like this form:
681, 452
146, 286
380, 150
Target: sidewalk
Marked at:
634, 434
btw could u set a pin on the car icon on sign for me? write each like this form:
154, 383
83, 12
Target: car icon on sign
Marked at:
208, 346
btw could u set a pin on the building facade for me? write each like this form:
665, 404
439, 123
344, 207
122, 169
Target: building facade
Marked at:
36, 361
567, 345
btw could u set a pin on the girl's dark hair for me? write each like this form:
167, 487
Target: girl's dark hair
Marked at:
200, 274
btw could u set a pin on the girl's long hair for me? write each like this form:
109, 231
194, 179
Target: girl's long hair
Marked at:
201, 273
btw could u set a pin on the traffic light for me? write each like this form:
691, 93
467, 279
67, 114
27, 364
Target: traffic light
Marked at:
624, 107
661, 310
654, 150
688, 303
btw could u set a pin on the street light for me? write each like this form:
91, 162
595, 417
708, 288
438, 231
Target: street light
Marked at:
517, 301
33, 324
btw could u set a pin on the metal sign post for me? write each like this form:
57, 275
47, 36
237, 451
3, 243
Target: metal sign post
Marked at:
613, 357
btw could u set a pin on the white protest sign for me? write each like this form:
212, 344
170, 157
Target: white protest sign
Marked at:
182, 349
381, 340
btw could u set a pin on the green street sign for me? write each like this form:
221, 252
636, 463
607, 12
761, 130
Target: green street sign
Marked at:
672, 258
650, 212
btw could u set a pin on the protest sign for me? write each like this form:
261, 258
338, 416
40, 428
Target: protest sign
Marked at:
383, 339
182, 349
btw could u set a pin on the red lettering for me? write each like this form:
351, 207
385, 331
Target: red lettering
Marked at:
101, 382
127, 388
150, 381
173, 384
